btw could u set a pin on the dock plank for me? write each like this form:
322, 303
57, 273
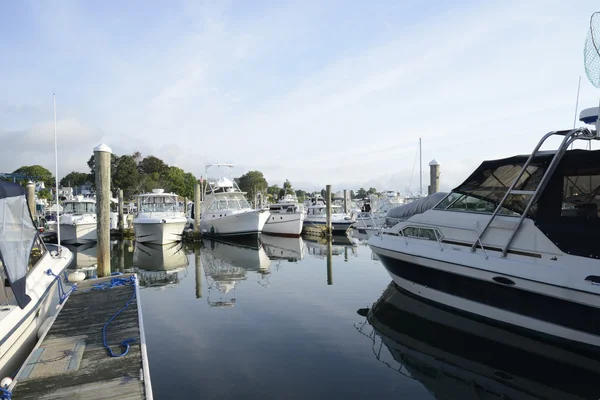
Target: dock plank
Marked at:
98, 375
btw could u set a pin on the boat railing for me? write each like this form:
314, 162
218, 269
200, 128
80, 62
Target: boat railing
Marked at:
569, 137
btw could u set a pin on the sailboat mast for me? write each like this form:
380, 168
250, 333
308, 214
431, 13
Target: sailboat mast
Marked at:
420, 170
56, 173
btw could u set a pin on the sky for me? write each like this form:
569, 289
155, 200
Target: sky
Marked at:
317, 92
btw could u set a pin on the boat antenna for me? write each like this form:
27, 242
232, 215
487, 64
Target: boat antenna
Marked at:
591, 54
56, 173
420, 169
577, 103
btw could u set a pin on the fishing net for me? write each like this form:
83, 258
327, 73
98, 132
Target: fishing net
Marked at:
591, 50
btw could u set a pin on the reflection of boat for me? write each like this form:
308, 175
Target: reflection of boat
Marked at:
456, 357
159, 265
278, 248
317, 246
239, 254
28, 294
84, 255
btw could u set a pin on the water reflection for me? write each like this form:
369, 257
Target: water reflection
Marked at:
318, 246
160, 265
456, 357
283, 248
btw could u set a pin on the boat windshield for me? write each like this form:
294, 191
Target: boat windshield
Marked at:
229, 201
79, 208
159, 204
466, 203
323, 210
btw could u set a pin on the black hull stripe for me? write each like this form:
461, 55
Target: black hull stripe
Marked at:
510, 298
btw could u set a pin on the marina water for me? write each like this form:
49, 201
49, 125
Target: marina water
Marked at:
274, 319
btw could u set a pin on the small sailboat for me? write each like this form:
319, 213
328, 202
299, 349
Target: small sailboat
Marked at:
27, 285
160, 219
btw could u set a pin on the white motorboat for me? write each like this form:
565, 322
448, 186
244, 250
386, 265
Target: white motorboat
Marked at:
516, 243
287, 217
160, 219
457, 357
28, 289
225, 210
316, 217
78, 221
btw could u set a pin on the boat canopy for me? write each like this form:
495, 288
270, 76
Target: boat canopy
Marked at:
17, 235
418, 206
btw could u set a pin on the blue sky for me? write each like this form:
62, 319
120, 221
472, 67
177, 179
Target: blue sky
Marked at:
316, 92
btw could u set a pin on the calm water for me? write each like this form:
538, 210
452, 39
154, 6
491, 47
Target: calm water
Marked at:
276, 320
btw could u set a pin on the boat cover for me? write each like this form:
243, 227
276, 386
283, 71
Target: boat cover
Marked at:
416, 207
17, 235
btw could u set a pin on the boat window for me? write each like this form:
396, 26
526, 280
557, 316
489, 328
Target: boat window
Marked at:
37, 252
448, 200
465, 203
581, 196
79, 208
421, 233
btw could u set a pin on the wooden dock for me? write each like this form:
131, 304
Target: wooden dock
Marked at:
70, 361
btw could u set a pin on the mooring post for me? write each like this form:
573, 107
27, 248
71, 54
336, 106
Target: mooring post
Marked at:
329, 263
121, 224
185, 205
197, 194
345, 201
31, 199
102, 155
198, 263
328, 215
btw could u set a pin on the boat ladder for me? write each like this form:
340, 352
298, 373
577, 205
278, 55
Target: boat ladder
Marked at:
569, 137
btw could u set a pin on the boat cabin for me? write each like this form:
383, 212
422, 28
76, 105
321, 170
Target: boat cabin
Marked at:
158, 202
321, 211
79, 207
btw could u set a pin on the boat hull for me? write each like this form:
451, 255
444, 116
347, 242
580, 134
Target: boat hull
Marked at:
159, 232
512, 303
284, 224
18, 328
244, 223
337, 227
79, 233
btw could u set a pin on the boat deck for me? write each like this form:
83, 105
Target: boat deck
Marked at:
70, 361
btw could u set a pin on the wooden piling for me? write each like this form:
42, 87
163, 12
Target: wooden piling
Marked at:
329, 263
345, 201
31, 198
120, 224
102, 155
197, 194
198, 263
328, 215
185, 205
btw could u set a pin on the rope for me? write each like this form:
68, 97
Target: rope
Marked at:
62, 295
5, 394
115, 282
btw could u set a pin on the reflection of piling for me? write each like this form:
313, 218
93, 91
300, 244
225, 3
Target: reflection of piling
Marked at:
329, 263
198, 263
345, 201
328, 215
31, 198
345, 253
121, 245
197, 211
120, 224
102, 155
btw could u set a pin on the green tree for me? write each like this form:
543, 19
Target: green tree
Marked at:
152, 165
114, 161
45, 194
273, 191
175, 179
372, 191
74, 178
352, 196
252, 182
189, 183
37, 173
361, 194
126, 175
301, 195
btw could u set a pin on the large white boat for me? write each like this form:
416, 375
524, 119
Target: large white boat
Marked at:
78, 221
28, 292
225, 210
516, 242
287, 217
457, 357
160, 219
316, 217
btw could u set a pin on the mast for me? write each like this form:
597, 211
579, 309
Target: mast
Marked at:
420, 170
56, 176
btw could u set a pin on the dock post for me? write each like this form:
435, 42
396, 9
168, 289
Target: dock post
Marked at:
197, 194
329, 263
120, 224
185, 205
345, 201
328, 215
102, 156
198, 263
31, 199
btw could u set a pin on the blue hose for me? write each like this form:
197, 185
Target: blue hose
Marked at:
114, 282
62, 295
5, 394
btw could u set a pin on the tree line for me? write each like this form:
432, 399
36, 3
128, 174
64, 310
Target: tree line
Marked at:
135, 174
